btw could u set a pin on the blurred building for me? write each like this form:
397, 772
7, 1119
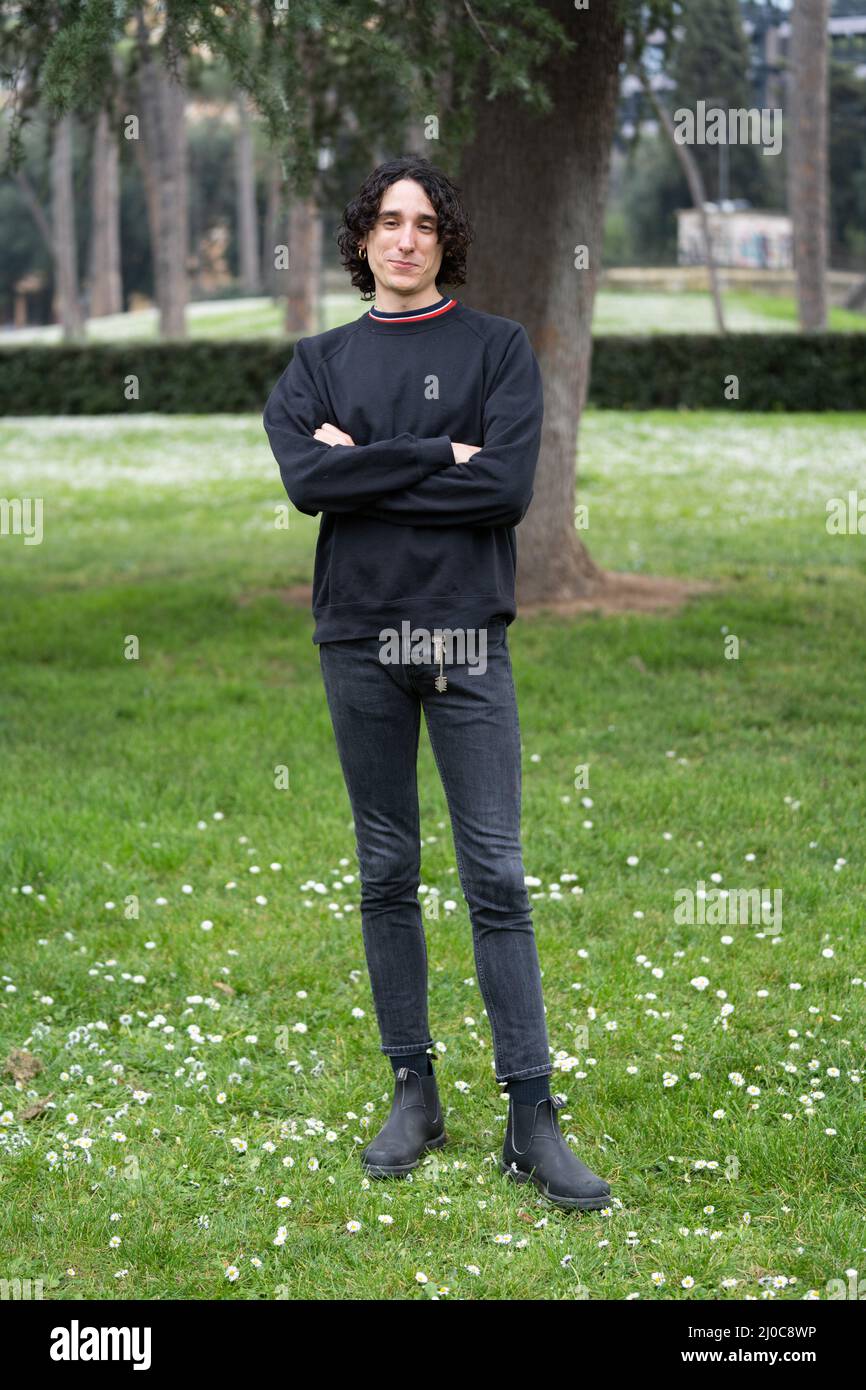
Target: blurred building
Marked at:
739, 236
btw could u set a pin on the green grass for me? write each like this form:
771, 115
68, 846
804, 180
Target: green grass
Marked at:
115, 769
647, 311
616, 311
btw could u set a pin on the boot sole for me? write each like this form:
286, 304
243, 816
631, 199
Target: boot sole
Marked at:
581, 1203
379, 1170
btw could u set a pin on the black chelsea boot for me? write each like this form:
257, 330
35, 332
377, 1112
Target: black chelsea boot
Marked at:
414, 1125
536, 1151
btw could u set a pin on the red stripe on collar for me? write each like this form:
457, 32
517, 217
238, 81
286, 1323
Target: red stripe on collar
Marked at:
412, 318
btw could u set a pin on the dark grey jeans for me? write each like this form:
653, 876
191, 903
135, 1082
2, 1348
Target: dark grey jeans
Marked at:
475, 737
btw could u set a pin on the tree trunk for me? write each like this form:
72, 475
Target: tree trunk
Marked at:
37, 211
807, 160
695, 180
523, 266
247, 217
273, 220
164, 158
416, 141
106, 292
67, 309
305, 259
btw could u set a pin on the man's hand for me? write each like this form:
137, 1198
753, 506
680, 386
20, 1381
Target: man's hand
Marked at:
329, 434
463, 452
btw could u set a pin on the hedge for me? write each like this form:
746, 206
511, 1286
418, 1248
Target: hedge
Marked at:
774, 371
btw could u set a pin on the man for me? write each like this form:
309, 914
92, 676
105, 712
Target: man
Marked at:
369, 424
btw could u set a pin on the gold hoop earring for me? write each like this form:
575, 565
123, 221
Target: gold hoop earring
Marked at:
362, 253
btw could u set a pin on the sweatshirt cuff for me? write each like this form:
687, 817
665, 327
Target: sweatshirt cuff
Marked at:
432, 454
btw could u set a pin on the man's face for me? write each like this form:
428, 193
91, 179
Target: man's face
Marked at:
403, 248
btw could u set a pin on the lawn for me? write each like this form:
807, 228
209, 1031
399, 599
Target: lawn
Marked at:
180, 943
616, 311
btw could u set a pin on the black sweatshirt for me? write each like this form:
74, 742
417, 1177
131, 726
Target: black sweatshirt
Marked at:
407, 533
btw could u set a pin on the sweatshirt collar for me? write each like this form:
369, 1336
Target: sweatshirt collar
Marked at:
430, 311
433, 318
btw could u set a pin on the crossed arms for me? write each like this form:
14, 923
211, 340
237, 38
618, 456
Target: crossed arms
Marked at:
408, 480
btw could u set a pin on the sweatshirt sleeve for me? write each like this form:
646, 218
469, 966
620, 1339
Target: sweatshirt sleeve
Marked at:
495, 487
320, 477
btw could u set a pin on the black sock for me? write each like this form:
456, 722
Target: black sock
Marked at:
530, 1091
417, 1061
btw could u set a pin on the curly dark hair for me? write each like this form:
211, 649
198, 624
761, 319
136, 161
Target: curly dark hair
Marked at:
454, 228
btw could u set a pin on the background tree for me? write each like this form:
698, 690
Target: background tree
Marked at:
691, 169
847, 154
807, 158
516, 96
64, 245
104, 275
711, 63
652, 189
249, 273
162, 151
537, 257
